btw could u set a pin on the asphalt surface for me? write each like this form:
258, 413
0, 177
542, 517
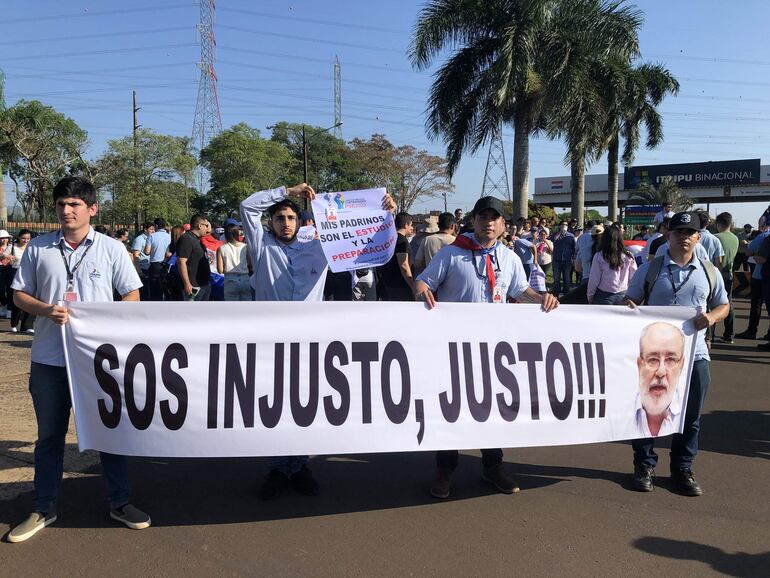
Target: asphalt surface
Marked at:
574, 516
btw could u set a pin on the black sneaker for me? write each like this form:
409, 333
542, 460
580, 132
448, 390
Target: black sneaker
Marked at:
685, 483
643, 478
304, 482
764, 346
746, 335
275, 483
725, 339
502, 482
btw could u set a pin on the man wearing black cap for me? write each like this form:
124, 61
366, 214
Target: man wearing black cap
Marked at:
681, 279
491, 275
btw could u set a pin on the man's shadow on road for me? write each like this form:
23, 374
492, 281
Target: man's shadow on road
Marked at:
738, 564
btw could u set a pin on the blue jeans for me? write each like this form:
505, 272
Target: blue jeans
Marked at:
606, 298
288, 465
562, 271
684, 446
51, 398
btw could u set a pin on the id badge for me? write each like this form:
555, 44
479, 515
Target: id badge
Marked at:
331, 213
497, 294
70, 296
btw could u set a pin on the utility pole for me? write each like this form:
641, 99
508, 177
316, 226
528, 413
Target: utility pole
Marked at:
135, 132
305, 141
337, 99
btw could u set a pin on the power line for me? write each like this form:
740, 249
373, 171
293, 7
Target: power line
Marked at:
90, 37
87, 14
104, 51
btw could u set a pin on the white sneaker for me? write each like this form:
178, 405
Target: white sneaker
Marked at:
30, 331
14, 329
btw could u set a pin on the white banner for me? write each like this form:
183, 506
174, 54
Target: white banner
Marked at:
284, 378
355, 231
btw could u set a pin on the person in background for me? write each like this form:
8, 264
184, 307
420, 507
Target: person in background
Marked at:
20, 319
755, 308
102, 229
395, 276
6, 273
544, 248
611, 270
234, 262
432, 244
730, 244
156, 247
585, 249
563, 254
742, 260
192, 261
666, 213
141, 259
173, 281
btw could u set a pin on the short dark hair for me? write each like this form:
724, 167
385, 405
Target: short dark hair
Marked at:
232, 233
724, 220
23, 232
445, 220
286, 203
402, 220
121, 232
101, 229
147, 225
160, 223
196, 220
664, 223
76, 188
704, 217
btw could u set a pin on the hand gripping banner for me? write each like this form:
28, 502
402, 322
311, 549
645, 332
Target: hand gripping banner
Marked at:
280, 378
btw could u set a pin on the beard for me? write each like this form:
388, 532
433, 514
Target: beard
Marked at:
657, 401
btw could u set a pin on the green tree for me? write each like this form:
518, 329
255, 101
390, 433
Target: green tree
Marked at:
631, 102
330, 166
492, 76
588, 38
408, 174
241, 162
152, 179
667, 192
40, 146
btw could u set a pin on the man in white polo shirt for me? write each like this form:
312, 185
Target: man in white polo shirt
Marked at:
71, 264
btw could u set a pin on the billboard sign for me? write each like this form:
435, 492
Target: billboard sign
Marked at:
708, 174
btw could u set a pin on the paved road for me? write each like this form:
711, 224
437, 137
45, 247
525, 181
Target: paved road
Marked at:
574, 516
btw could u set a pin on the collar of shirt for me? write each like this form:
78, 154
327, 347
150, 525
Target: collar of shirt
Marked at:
693, 263
672, 413
57, 240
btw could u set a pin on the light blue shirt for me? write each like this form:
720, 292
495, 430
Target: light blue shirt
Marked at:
754, 247
138, 245
158, 244
712, 245
692, 291
459, 276
282, 272
523, 249
105, 265
583, 246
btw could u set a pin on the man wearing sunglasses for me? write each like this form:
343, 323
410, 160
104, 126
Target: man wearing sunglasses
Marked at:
493, 274
682, 279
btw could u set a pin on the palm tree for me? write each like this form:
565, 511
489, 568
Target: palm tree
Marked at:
593, 35
631, 102
666, 193
492, 77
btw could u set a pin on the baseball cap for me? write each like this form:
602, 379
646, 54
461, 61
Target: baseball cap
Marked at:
489, 203
685, 220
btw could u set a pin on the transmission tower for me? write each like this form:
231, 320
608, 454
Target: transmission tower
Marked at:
208, 122
496, 173
337, 99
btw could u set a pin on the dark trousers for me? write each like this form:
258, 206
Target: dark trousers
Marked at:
684, 446
447, 459
562, 271
755, 311
19, 318
729, 333
338, 287
156, 275
51, 399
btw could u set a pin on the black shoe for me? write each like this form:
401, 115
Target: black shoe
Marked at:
728, 340
275, 483
764, 346
643, 478
746, 335
685, 483
304, 482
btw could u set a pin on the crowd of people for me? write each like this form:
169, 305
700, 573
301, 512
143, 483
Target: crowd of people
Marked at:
258, 255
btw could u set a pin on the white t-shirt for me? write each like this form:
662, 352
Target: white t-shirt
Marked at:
234, 257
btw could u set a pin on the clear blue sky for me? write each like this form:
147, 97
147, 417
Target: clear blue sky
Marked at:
275, 62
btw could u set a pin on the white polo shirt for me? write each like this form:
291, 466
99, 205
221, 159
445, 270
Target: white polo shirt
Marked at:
105, 265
